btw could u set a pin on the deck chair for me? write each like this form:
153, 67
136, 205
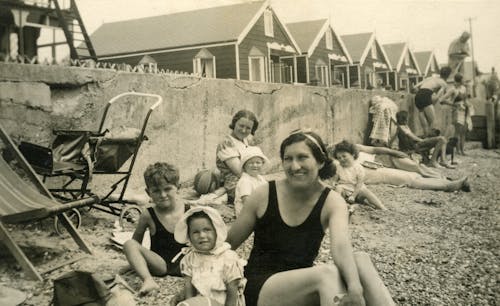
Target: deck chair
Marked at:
21, 202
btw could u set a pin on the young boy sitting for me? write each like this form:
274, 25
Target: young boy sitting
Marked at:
162, 181
409, 142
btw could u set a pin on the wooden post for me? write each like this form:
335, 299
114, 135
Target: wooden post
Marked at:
490, 125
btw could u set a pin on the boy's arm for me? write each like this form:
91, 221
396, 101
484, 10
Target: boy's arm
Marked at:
189, 289
407, 131
142, 225
232, 293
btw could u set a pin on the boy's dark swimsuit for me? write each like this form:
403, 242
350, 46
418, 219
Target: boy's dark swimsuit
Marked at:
163, 243
423, 98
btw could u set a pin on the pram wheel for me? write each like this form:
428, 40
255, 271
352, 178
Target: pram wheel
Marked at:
129, 217
73, 215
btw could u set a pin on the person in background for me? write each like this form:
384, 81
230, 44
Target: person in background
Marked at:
409, 142
253, 162
228, 154
457, 52
457, 98
428, 93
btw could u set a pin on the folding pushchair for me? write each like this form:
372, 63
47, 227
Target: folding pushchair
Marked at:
78, 155
22, 202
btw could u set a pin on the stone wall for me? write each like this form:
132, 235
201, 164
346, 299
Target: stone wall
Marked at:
195, 114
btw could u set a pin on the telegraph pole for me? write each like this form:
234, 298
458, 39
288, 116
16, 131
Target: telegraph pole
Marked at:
472, 56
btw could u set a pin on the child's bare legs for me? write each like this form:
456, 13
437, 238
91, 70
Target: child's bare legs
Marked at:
146, 263
371, 198
460, 132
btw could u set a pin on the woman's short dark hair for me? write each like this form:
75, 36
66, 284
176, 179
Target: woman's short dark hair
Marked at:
317, 147
346, 146
245, 114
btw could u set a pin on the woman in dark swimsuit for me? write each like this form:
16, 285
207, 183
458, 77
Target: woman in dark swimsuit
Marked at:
289, 218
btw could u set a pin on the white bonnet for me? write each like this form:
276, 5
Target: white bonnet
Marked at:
181, 228
252, 151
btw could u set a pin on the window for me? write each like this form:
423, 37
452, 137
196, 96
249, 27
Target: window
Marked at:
256, 68
204, 64
403, 84
268, 23
407, 59
374, 50
339, 77
329, 40
322, 75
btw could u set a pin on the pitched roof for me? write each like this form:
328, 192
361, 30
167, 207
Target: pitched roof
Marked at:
305, 32
212, 25
394, 53
424, 59
356, 44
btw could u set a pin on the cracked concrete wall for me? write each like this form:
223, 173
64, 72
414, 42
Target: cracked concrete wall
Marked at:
194, 116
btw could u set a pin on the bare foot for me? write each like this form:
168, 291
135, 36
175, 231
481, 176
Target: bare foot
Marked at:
446, 165
435, 165
148, 286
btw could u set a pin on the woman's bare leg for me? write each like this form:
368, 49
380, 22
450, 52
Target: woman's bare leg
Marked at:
439, 150
436, 184
423, 122
427, 117
374, 290
145, 262
317, 285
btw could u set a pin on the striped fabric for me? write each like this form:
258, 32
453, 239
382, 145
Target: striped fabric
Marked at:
20, 201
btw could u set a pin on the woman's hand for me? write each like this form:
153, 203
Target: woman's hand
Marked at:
351, 199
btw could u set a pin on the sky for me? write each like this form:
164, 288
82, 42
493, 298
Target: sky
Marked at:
424, 24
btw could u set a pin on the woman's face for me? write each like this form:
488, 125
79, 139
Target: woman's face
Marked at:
301, 168
242, 128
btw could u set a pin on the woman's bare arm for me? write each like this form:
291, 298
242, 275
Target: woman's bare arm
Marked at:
245, 222
340, 246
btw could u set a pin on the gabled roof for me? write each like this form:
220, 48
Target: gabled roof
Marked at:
306, 32
357, 43
395, 52
358, 46
309, 33
199, 27
424, 60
